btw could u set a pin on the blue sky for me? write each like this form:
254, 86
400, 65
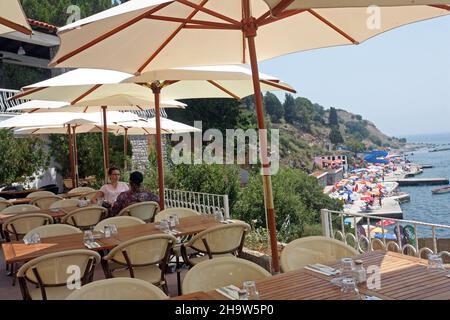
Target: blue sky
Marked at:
400, 80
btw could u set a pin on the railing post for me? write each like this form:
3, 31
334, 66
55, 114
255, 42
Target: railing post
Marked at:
226, 206
325, 223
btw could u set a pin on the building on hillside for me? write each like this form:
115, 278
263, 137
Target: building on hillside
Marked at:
321, 178
332, 161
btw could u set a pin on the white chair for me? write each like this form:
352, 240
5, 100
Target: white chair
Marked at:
120, 222
84, 190
20, 208
4, 204
310, 250
53, 230
216, 241
118, 289
143, 210
143, 258
45, 202
38, 194
85, 218
180, 212
65, 203
48, 276
221, 272
20, 225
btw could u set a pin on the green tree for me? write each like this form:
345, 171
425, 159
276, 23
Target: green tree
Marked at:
298, 201
333, 119
273, 106
20, 158
90, 153
355, 146
289, 108
357, 129
336, 136
305, 113
55, 11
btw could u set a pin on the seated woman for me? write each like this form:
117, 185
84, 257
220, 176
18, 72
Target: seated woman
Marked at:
110, 192
134, 195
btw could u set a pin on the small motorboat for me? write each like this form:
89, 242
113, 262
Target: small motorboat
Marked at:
441, 190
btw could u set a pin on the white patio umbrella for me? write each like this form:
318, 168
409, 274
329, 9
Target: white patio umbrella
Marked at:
12, 18
185, 83
66, 122
90, 90
167, 34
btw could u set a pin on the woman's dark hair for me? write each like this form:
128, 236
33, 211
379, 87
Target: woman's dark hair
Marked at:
112, 169
136, 178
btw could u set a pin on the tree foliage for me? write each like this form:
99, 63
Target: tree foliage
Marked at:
289, 108
333, 119
90, 153
298, 201
56, 11
20, 158
336, 136
273, 106
355, 146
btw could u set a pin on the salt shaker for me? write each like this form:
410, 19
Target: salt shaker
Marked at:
359, 272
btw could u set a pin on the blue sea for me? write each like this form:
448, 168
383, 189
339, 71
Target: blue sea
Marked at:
425, 206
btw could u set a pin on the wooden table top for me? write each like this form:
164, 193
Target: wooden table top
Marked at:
19, 252
69, 195
54, 213
402, 278
20, 201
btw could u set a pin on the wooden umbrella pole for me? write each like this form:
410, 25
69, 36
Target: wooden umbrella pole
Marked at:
125, 149
250, 30
105, 144
159, 152
72, 169
75, 156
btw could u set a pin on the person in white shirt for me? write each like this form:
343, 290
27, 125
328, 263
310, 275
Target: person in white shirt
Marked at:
109, 192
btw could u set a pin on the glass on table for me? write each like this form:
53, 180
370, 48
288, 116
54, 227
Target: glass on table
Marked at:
35, 238
435, 262
347, 266
349, 286
88, 236
164, 225
113, 228
252, 291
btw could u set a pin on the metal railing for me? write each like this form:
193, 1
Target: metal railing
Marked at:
360, 238
202, 202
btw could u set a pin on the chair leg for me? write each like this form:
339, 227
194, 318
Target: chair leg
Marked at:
178, 275
13, 272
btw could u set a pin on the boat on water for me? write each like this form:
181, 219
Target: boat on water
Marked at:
441, 190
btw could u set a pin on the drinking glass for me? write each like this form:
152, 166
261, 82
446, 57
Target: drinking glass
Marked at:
165, 226
219, 216
347, 266
107, 231
252, 291
35, 238
435, 262
113, 228
349, 286
88, 236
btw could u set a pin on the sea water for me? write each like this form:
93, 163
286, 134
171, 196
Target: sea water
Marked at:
424, 205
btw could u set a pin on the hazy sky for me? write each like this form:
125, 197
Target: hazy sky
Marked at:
400, 80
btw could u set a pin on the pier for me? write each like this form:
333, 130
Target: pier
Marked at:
422, 182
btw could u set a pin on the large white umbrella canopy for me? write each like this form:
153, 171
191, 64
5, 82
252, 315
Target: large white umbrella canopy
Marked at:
124, 103
228, 81
92, 87
12, 17
33, 120
148, 127
167, 34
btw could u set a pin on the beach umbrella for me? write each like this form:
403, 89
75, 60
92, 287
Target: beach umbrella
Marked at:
184, 83
90, 90
166, 34
12, 18
69, 120
387, 222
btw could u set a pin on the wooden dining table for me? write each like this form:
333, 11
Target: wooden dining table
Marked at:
18, 251
401, 278
54, 213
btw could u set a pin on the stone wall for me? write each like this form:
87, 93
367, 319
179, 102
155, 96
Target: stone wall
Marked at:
139, 145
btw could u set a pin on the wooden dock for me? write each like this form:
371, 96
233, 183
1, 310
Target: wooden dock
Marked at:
423, 182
